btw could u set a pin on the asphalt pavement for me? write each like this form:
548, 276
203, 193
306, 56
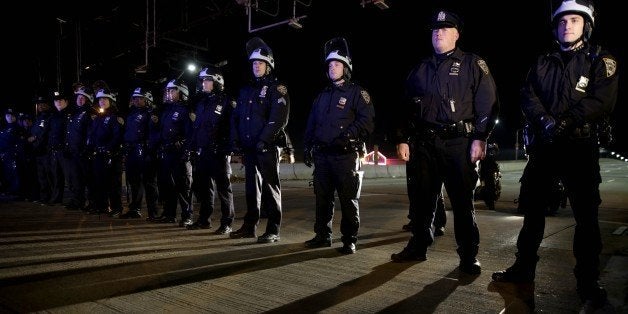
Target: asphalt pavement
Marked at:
60, 261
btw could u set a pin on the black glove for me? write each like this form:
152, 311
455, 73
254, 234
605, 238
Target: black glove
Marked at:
261, 147
308, 159
186, 156
234, 149
548, 125
194, 155
564, 125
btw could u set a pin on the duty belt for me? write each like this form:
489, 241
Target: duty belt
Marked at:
171, 147
337, 150
137, 148
208, 149
448, 131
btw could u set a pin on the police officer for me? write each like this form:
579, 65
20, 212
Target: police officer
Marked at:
565, 94
454, 102
340, 121
79, 170
210, 141
258, 120
9, 146
175, 169
141, 162
26, 162
57, 146
105, 140
39, 140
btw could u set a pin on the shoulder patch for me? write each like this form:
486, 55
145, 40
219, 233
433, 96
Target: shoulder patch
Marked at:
365, 95
282, 89
482, 64
611, 66
234, 103
154, 118
120, 120
192, 116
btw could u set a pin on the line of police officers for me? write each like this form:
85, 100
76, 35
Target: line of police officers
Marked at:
453, 102
177, 151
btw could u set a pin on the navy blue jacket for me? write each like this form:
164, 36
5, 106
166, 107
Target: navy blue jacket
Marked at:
340, 111
261, 113
211, 127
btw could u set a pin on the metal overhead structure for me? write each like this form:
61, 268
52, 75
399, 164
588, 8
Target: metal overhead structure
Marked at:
151, 33
293, 21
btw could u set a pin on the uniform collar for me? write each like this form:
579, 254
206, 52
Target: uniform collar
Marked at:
343, 87
454, 54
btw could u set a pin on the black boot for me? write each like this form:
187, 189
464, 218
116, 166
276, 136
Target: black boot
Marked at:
470, 266
244, 232
318, 241
592, 294
409, 255
520, 272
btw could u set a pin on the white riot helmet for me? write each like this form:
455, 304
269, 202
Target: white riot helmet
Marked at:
257, 49
85, 92
144, 93
213, 74
103, 93
583, 8
337, 49
181, 87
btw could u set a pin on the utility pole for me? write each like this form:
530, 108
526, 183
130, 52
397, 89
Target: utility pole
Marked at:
59, 64
78, 51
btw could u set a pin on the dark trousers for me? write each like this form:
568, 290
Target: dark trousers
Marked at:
141, 176
576, 163
10, 173
175, 184
78, 172
108, 185
445, 161
440, 216
212, 176
339, 173
262, 176
59, 177
44, 176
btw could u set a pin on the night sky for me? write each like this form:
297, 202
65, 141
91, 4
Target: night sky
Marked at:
385, 45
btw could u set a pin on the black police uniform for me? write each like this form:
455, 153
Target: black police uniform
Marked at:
260, 115
174, 175
341, 119
9, 141
58, 151
39, 131
79, 168
576, 88
454, 102
105, 140
141, 161
212, 170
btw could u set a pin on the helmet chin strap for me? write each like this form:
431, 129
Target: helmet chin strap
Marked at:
337, 81
572, 45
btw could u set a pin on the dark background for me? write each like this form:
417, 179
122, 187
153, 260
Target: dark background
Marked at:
109, 37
